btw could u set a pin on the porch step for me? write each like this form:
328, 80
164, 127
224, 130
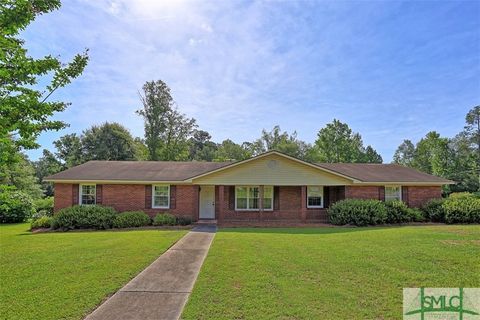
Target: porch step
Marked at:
207, 221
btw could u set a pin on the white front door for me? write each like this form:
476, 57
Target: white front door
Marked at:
207, 202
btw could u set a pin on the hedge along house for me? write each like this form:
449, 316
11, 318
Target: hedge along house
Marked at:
268, 187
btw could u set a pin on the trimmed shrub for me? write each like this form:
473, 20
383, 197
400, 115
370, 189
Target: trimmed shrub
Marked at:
462, 210
15, 206
84, 217
415, 215
43, 222
39, 214
462, 195
184, 220
164, 219
357, 212
397, 212
45, 204
131, 219
433, 210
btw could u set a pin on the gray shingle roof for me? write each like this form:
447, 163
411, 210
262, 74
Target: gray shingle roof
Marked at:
137, 170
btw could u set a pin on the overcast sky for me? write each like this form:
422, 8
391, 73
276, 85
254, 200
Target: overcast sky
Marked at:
391, 70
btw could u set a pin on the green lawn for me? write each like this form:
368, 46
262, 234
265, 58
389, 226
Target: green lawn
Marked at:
329, 273
65, 275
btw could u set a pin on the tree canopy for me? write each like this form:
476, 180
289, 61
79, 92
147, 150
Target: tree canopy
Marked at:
24, 107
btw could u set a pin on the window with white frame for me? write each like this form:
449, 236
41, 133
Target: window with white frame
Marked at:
161, 196
88, 194
314, 197
248, 198
393, 193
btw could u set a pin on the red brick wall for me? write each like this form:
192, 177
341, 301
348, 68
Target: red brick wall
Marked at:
290, 206
414, 196
127, 197
417, 196
63, 196
363, 192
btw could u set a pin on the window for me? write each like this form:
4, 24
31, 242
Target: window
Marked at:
248, 198
161, 196
314, 197
88, 193
393, 193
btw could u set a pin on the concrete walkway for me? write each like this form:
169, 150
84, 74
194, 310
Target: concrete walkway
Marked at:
162, 289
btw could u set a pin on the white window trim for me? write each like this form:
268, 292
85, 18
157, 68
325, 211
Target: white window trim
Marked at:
238, 209
323, 197
80, 194
394, 186
153, 196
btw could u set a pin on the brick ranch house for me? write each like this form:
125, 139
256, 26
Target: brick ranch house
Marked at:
268, 187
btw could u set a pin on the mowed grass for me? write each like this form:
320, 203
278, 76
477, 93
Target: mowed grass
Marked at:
329, 273
65, 275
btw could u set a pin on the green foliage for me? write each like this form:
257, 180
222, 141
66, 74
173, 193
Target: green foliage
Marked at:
166, 129
461, 195
338, 143
15, 205
21, 175
462, 210
415, 215
110, 141
229, 151
357, 212
405, 153
42, 222
282, 142
201, 148
84, 217
397, 212
433, 210
45, 204
45, 166
164, 219
131, 219
25, 111
69, 150
184, 220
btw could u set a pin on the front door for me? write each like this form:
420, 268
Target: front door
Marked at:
207, 202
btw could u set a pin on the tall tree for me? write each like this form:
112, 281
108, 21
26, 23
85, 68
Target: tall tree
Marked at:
47, 165
336, 142
20, 175
370, 155
69, 150
166, 129
24, 109
201, 147
230, 151
405, 153
472, 132
109, 141
281, 141
432, 154
157, 102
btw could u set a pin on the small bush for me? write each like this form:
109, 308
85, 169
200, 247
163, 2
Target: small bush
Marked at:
39, 214
164, 219
45, 204
84, 217
15, 206
184, 220
397, 212
415, 215
43, 222
462, 210
131, 219
433, 210
358, 212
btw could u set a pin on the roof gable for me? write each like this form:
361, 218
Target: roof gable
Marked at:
272, 168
